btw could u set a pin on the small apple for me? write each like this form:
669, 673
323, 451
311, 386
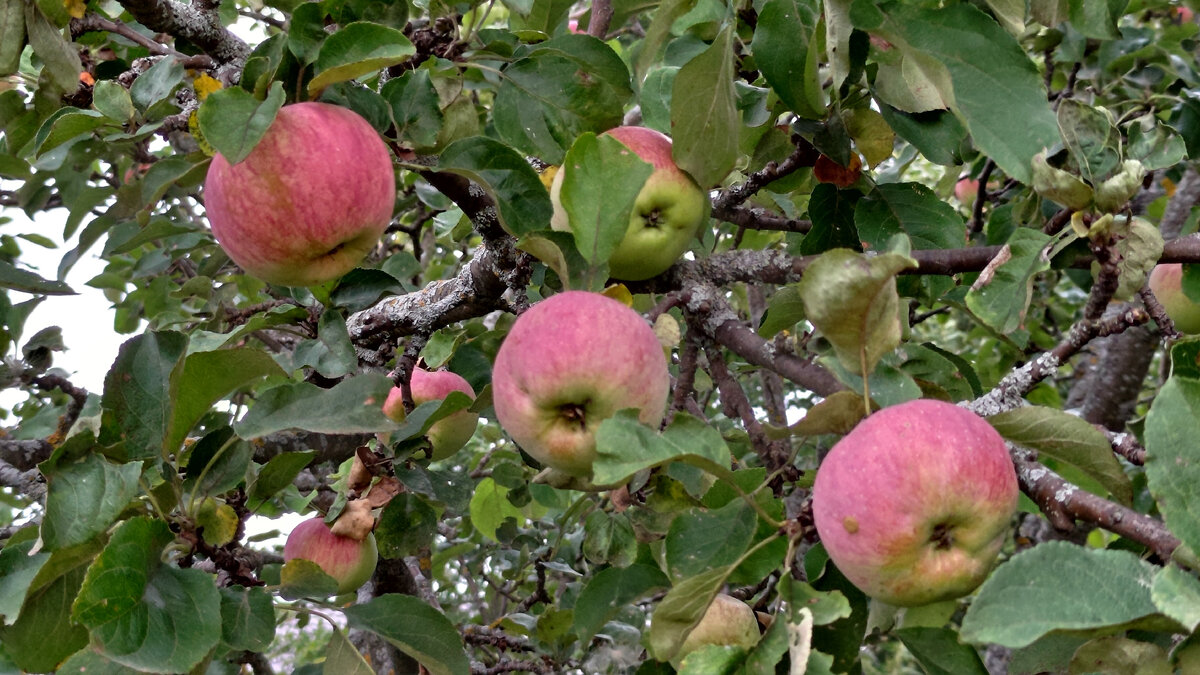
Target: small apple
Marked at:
569, 362
965, 190
1166, 282
828, 171
350, 561
666, 214
727, 621
309, 202
449, 434
915, 502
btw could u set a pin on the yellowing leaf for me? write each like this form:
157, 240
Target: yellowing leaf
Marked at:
76, 8
205, 85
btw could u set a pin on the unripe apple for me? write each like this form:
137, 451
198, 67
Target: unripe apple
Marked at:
727, 622
568, 363
449, 434
1166, 283
915, 502
350, 561
666, 215
309, 202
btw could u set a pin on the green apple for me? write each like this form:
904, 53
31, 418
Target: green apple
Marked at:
666, 215
449, 434
727, 621
309, 202
914, 504
568, 363
1166, 283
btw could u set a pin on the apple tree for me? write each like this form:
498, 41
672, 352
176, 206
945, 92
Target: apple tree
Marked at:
888, 200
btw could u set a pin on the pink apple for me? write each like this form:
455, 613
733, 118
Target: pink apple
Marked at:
727, 621
449, 434
350, 561
309, 202
569, 362
666, 214
965, 190
915, 502
1166, 283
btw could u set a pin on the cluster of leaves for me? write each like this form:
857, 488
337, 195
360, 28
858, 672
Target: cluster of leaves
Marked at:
123, 511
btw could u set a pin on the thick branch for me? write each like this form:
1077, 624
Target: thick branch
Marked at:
601, 17
96, 22
201, 28
1064, 503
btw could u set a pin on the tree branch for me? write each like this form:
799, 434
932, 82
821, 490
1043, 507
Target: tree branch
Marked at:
196, 25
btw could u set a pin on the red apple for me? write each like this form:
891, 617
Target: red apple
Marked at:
1166, 283
449, 434
350, 561
309, 202
666, 215
915, 502
727, 621
568, 363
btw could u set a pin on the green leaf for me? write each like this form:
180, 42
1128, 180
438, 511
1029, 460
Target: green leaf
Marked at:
415, 107
342, 657
608, 539
276, 474
911, 209
937, 134
610, 591
89, 662
143, 613
17, 571
784, 49
1173, 457
601, 181
306, 31
1176, 593
997, 90
218, 463
414, 628
65, 125
1154, 144
157, 83
1060, 186
1001, 295
59, 58
356, 50
247, 618
113, 101
826, 606
681, 609
406, 525
1117, 654
1091, 138
940, 653
1059, 586
704, 118
353, 406
16, 279
233, 121
85, 497
208, 377
852, 300
625, 446
1069, 439
701, 540
558, 90
522, 200
302, 578
47, 612
784, 311
832, 214
137, 406
490, 507
1097, 18
12, 35
331, 353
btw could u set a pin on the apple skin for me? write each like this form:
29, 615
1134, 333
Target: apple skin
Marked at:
309, 202
965, 190
569, 362
449, 434
1166, 282
350, 561
666, 214
914, 504
727, 621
